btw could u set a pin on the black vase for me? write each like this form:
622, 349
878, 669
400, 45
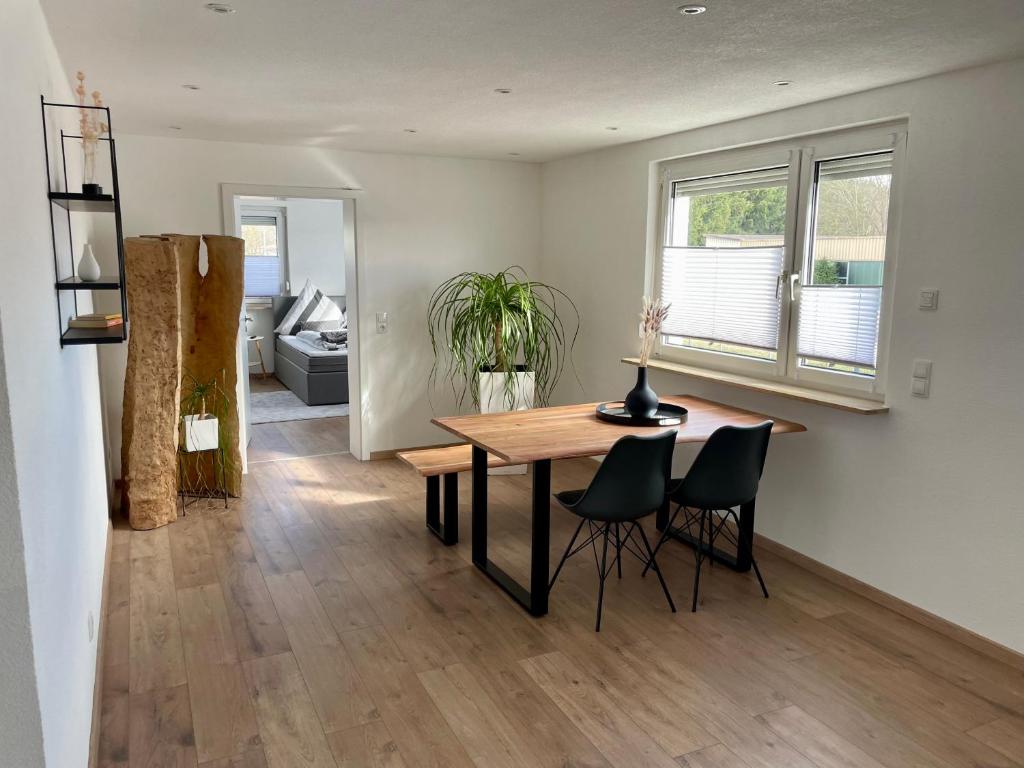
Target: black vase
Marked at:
642, 401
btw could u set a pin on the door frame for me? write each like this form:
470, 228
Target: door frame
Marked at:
230, 192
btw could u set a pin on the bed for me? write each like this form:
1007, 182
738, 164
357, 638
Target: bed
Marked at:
316, 376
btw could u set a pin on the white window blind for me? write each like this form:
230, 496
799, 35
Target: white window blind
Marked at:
839, 323
723, 294
262, 270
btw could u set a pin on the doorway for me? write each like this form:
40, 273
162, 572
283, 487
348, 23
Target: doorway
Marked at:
298, 345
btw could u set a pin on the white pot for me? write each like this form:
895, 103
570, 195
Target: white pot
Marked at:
494, 399
200, 433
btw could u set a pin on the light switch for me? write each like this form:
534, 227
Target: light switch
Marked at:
919, 387
929, 299
922, 369
382, 322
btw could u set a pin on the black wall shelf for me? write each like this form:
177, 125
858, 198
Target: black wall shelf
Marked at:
105, 283
78, 202
73, 336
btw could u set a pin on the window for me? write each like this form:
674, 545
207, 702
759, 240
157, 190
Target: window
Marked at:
263, 233
776, 260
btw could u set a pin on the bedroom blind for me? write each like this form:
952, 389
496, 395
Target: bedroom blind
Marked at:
723, 294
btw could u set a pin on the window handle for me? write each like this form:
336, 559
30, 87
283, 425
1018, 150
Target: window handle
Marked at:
783, 277
794, 283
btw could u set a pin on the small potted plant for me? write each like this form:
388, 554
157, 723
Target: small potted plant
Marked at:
642, 401
201, 429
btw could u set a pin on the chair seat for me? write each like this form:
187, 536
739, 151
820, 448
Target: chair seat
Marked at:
568, 498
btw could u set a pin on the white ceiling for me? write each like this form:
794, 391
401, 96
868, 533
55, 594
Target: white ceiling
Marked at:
356, 73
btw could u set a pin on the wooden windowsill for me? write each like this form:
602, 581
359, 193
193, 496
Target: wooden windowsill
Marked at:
792, 391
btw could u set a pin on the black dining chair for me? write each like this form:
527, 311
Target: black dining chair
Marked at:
629, 484
725, 475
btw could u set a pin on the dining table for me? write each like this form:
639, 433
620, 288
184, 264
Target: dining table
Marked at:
538, 436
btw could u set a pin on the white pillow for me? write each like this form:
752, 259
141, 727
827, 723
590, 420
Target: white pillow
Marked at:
310, 304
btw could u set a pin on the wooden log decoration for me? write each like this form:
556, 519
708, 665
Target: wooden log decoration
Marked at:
152, 386
211, 306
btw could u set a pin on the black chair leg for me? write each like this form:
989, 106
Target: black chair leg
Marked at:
652, 563
700, 560
664, 535
618, 551
565, 557
602, 574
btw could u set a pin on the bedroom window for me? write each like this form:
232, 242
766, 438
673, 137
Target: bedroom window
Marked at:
778, 260
263, 232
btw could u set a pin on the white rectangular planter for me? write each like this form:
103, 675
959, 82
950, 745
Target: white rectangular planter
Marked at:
493, 399
201, 434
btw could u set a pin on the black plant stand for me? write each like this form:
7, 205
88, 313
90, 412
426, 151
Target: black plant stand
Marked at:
192, 486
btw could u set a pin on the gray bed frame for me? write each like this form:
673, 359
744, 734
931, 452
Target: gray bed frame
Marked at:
312, 387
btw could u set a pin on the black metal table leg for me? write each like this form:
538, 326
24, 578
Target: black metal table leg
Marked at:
662, 518
746, 537
534, 599
479, 508
541, 545
741, 561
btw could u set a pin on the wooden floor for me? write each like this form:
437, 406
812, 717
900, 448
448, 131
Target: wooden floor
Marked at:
288, 439
316, 623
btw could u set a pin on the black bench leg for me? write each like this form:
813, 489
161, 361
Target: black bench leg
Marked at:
448, 532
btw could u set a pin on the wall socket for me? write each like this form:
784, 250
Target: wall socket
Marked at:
382, 322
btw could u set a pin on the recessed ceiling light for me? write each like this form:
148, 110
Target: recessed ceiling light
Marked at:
503, 90
220, 8
691, 10
190, 87
409, 130
612, 128
782, 83
514, 154
174, 127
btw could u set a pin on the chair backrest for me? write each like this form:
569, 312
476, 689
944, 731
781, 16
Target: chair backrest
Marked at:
631, 480
727, 470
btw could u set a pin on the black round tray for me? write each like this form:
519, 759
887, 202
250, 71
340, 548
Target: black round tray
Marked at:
667, 415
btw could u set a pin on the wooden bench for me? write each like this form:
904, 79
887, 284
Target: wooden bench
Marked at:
447, 462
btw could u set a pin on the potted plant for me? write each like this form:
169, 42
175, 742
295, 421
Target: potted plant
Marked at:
500, 338
200, 428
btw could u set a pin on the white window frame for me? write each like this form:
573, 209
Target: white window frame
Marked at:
279, 214
800, 154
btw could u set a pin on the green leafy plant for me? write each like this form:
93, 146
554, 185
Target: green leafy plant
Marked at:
499, 322
204, 399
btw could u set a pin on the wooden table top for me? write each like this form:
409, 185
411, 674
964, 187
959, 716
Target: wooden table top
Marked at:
571, 431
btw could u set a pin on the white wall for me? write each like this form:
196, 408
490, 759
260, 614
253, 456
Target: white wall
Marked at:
316, 245
53, 503
924, 503
419, 220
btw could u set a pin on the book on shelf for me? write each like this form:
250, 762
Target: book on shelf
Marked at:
95, 323
99, 316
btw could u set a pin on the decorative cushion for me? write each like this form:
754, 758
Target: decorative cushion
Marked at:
326, 325
310, 305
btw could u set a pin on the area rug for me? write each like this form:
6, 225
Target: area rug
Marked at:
267, 407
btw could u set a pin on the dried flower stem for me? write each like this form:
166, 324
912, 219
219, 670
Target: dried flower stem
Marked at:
651, 319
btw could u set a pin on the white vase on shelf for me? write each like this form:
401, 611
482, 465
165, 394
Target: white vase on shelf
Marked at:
88, 267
